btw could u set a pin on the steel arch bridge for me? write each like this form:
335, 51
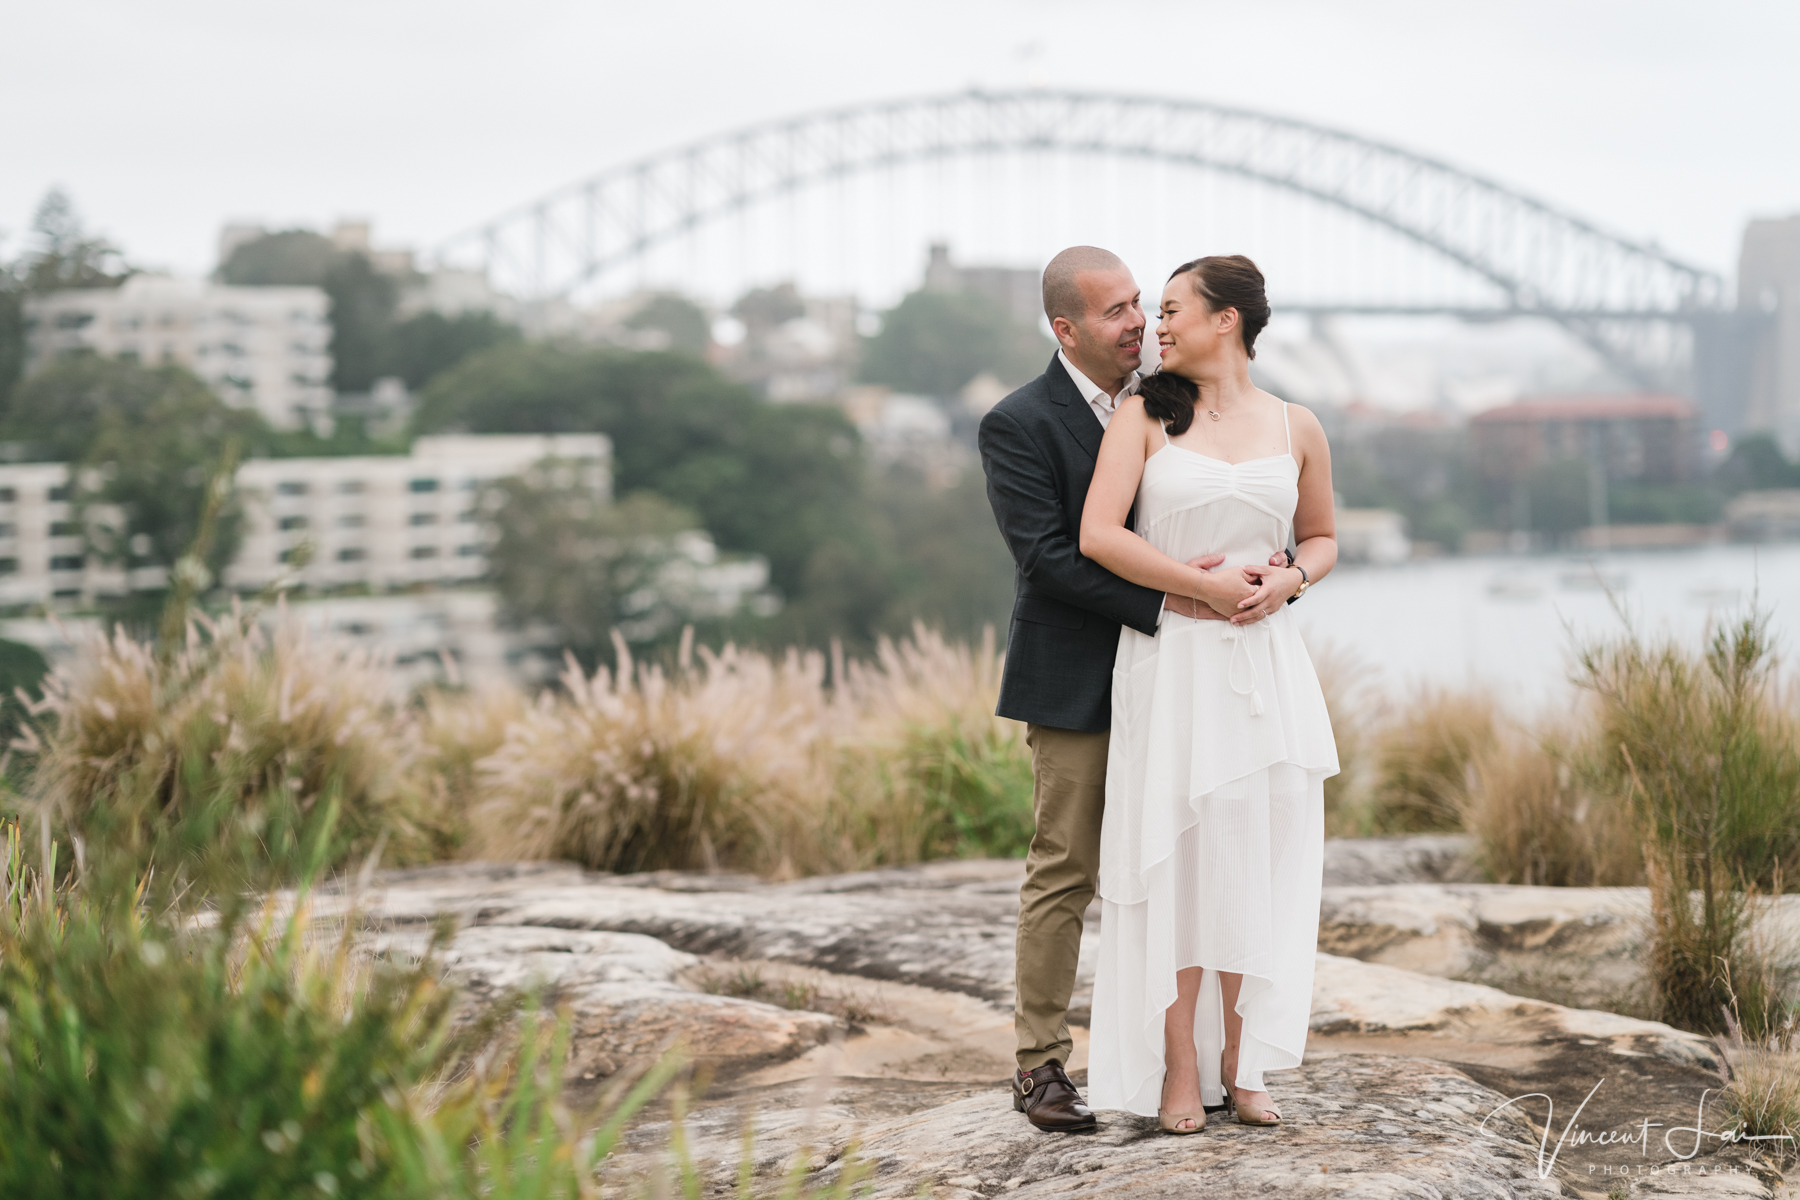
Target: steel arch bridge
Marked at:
1537, 260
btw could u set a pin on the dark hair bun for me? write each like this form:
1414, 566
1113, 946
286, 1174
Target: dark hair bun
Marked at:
1170, 399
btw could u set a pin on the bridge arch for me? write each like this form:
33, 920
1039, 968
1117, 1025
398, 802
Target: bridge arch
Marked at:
1541, 260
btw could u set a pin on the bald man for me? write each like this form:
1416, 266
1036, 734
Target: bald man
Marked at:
1038, 448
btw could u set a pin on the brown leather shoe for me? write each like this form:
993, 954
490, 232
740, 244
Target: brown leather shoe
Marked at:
1049, 1100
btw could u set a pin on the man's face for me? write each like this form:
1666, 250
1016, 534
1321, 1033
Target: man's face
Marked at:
1108, 341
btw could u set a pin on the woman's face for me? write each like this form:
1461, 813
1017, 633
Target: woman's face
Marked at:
1190, 336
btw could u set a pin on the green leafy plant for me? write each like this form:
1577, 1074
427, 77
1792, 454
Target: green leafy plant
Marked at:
1711, 769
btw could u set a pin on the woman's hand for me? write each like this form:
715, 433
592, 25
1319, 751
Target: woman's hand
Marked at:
1270, 588
1226, 592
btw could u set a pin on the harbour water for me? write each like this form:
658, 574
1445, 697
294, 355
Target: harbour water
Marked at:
1509, 623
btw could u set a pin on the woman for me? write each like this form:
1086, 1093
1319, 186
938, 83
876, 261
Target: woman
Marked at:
1213, 843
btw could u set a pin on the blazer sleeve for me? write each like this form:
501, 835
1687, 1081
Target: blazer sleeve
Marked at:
1022, 491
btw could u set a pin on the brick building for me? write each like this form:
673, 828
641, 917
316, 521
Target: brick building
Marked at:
1637, 438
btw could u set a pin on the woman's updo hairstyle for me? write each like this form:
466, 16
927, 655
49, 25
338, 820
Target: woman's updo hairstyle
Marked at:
1221, 281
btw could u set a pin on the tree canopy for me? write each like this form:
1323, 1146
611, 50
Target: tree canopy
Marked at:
676, 317
584, 569
934, 343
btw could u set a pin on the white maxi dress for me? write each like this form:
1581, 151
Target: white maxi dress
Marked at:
1212, 845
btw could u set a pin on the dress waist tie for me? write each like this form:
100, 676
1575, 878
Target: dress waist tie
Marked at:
1239, 636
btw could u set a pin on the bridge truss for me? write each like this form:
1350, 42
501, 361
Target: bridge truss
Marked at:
1620, 297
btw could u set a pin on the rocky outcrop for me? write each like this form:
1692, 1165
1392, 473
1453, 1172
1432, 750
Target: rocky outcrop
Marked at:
1579, 946
890, 1028
622, 993
1362, 1126
1415, 858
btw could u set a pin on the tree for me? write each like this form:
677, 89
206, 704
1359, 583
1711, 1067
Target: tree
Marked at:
12, 333
565, 559
64, 255
934, 343
679, 319
1756, 461
287, 258
150, 439
362, 317
60, 254
422, 347
774, 480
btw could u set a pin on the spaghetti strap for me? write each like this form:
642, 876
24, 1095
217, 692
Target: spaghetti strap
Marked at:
1165, 429
1284, 424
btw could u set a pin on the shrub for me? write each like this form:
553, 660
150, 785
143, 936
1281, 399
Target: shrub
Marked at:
1422, 760
458, 729
1541, 817
1712, 772
721, 764
933, 772
1354, 705
144, 1053
235, 711
1762, 1095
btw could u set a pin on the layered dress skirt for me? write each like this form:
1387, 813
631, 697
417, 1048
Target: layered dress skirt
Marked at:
1212, 845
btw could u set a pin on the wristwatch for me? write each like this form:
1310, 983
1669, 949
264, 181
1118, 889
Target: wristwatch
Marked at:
1305, 580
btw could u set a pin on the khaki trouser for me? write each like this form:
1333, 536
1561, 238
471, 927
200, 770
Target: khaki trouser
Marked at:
1068, 795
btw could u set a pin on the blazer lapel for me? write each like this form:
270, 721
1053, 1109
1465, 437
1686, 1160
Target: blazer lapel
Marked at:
1074, 411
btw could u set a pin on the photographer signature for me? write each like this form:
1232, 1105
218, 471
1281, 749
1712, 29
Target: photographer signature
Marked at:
1631, 1134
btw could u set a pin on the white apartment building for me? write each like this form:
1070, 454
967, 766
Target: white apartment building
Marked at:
266, 348
391, 521
43, 555
378, 521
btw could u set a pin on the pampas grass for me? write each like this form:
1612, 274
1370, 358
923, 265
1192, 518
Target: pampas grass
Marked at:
720, 763
780, 765
1542, 817
1423, 759
236, 711
927, 769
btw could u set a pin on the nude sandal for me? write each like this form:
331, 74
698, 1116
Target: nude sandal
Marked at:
1171, 1122
1262, 1118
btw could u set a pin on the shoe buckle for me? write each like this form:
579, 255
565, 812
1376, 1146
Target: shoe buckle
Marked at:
1026, 1085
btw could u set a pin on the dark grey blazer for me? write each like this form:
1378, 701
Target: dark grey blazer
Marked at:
1038, 448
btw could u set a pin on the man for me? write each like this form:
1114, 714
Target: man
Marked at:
1038, 448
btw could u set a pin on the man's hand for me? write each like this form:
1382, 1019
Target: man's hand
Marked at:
1187, 606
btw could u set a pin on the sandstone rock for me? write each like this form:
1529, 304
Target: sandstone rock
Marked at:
622, 994
1579, 946
937, 941
1365, 998
1358, 1126
1415, 858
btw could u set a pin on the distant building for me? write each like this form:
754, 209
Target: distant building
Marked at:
391, 521
377, 521
1769, 516
795, 349
1769, 284
1647, 438
1372, 535
262, 348
1017, 290
43, 553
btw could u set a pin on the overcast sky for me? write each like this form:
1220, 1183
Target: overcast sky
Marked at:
166, 117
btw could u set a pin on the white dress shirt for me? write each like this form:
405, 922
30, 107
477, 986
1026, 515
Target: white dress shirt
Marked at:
1103, 405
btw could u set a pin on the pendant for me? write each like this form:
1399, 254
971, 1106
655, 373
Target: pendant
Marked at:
1212, 414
